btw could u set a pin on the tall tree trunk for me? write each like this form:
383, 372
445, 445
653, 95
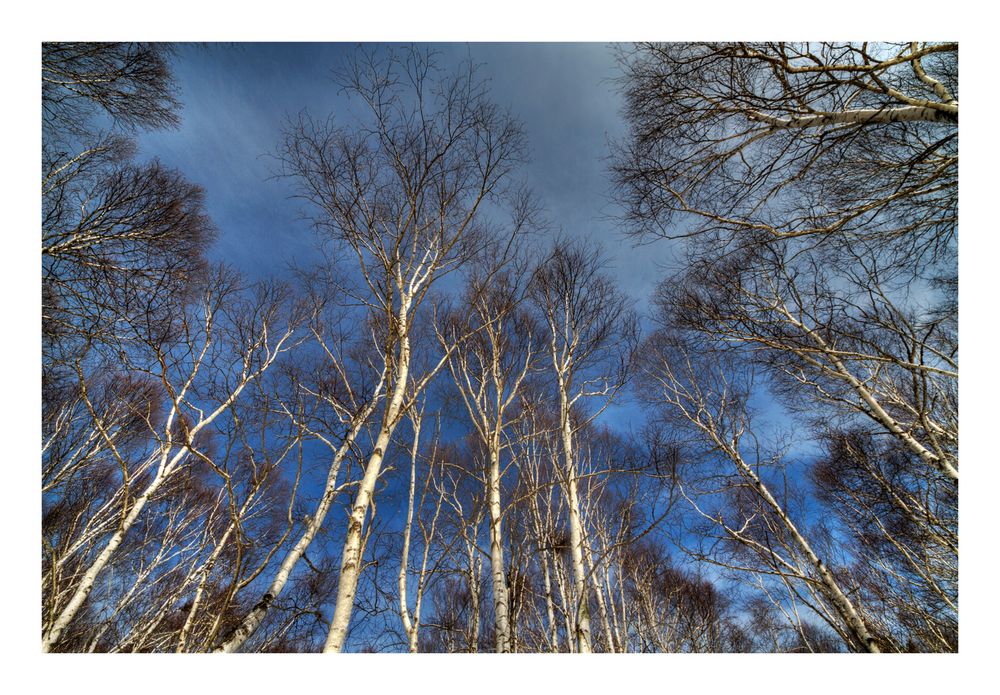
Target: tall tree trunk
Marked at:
206, 572
350, 562
843, 605
550, 614
501, 595
475, 568
602, 608
581, 608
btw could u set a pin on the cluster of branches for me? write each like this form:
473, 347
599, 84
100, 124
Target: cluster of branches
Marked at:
815, 187
334, 464
154, 469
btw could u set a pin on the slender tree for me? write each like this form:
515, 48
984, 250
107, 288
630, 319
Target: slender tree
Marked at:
590, 334
489, 369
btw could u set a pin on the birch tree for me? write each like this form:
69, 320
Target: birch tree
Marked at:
902, 526
333, 397
454, 624
818, 183
402, 193
590, 334
197, 367
834, 144
121, 246
847, 340
815, 186
708, 394
431, 498
847, 354
489, 368
109, 224
130, 83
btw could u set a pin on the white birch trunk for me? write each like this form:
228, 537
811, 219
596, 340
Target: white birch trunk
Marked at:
90, 576
164, 471
350, 563
475, 569
501, 598
581, 609
550, 614
602, 608
206, 572
843, 605
876, 412
942, 112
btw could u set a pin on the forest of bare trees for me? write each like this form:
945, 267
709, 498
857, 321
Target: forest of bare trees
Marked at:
454, 431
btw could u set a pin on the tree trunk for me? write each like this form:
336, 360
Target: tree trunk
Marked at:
350, 562
501, 598
86, 585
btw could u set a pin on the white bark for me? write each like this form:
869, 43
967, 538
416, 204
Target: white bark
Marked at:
90, 576
501, 597
875, 409
350, 563
580, 594
843, 605
943, 112
168, 465
723, 429
602, 607
411, 622
552, 631
581, 608
411, 626
475, 572
205, 573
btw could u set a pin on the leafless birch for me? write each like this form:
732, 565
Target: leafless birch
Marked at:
590, 332
402, 194
489, 368
709, 394
200, 365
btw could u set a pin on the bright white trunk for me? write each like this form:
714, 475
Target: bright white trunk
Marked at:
843, 605
164, 471
581, 608
206, 572
602, 607
501, 600
876, 411
581, 604
411, 625
475, 570
944, 112
350, 562
550, 613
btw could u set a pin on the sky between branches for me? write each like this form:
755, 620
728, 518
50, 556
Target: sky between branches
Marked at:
236, 98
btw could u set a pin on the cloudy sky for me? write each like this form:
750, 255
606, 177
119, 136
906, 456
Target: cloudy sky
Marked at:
237, 96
